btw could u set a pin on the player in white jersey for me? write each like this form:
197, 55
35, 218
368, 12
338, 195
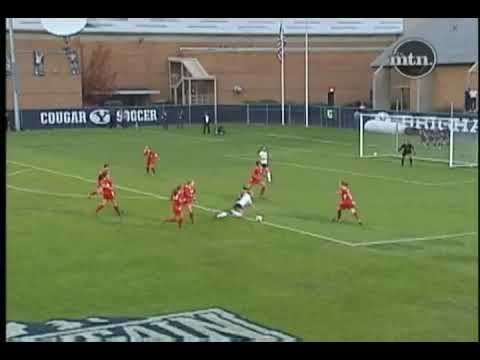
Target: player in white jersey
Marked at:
263, 157
244, 200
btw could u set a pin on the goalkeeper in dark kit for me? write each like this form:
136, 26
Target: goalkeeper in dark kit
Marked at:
407, 149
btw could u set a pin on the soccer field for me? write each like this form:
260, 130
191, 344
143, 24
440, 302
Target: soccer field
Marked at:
410, 273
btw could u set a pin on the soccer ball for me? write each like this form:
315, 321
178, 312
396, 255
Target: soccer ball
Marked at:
375, 154
259, 218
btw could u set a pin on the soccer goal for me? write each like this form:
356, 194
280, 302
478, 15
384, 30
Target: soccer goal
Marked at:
446, 139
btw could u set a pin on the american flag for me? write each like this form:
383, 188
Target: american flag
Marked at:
281, 45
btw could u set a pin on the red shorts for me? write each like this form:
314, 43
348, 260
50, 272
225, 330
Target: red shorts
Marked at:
177, 209
109, 196
346, 205
254, 181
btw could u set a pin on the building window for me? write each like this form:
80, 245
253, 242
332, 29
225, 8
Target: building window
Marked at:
38, 63
73, 61
8, 66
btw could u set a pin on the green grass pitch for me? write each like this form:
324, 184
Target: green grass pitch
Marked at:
409, 273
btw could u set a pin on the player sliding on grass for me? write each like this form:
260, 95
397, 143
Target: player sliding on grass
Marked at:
257, 178
176, 201
346, 202
150, 159
108, 195
244, 200
101, 174
189, 196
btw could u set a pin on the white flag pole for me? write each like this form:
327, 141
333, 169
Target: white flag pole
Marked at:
14, 75
306, 74
282, 74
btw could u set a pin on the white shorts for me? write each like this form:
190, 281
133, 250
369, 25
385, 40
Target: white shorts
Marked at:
236, 213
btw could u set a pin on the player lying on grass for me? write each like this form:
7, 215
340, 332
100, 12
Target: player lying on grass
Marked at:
243, 202
150, 159
257, 178
407, 149
189, 196
176, 202
264, 158
346, 203
108, 195
100, 176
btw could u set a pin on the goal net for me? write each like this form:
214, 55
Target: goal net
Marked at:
449, 140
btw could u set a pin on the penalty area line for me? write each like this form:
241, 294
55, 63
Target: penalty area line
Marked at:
425, 238
20, 172
160, 197
339, 171
310, 139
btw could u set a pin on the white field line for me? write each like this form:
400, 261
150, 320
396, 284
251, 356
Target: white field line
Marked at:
426, 238
294, 149
307, 233
286, 149
318, 236
298, 231
394, 159
19, 172
471, 181
68, 195
339, 171
311, 139
205, 138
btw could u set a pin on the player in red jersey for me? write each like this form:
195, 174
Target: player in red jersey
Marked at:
177, 201
101, 174
108, 195
257, 178
189, 195
346, 202
150, 159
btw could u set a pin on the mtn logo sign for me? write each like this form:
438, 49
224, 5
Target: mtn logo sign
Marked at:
414, 58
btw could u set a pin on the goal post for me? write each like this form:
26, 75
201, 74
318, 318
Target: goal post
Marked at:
439, 139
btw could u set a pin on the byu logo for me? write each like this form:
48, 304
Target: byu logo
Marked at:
413, 58
100, 117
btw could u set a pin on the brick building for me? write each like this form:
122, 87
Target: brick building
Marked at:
456, 43
193, 60
234, 57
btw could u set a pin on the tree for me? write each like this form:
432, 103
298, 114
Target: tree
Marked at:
98, 81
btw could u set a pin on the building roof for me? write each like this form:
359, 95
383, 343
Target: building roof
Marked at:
229, 26
194, 67
454, 39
